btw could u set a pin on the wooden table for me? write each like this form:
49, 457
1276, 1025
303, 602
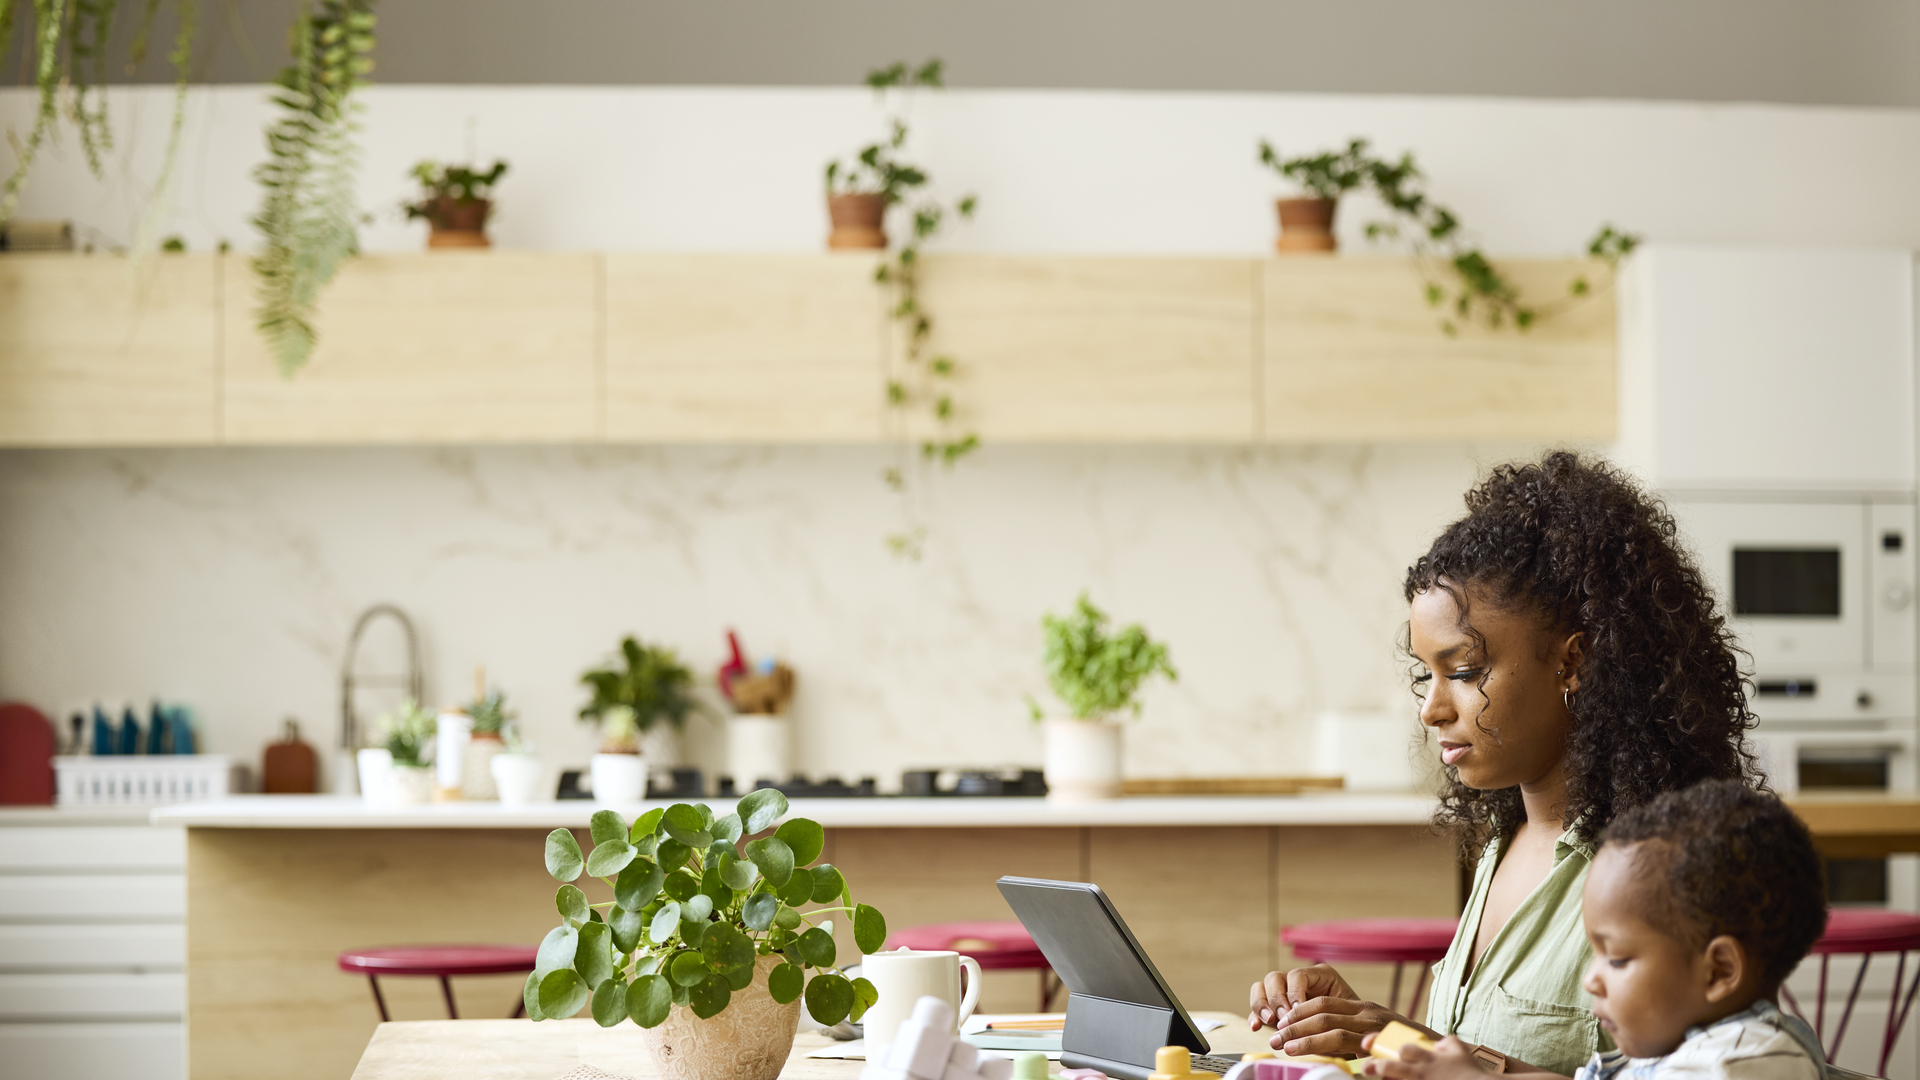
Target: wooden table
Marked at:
524, 1050
1847, 826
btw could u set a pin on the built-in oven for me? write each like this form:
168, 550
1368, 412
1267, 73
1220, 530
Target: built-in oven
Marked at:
1821, 594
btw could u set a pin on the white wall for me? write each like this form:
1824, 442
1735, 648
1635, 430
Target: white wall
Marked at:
1057, 171
229, 578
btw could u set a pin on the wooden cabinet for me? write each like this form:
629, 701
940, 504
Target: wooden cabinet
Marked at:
444, 347
1355, 354
744, 348
95, 352
1096, 349
515, 347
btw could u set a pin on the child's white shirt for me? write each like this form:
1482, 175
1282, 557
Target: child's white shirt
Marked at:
1756, 1043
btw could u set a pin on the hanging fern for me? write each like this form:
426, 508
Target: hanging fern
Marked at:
70, 53
307, 216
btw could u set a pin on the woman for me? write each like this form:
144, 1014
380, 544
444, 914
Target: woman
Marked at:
1572, 665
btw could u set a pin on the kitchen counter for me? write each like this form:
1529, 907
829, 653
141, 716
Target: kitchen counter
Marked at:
350, 812
278, 885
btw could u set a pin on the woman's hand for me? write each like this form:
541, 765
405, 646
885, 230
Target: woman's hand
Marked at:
1282, 990
1450, 1059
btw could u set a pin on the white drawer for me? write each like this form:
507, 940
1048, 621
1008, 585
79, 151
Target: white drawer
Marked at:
105, 945
62, 996
144, 1051
127, 897
92, 847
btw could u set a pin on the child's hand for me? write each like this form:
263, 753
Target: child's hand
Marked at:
1451, 1059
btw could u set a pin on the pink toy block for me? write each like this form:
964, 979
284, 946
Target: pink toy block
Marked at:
995, 1067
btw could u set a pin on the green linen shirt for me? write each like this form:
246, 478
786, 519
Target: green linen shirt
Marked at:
1524, 999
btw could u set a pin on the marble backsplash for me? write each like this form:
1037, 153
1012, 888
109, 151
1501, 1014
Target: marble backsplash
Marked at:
228, 579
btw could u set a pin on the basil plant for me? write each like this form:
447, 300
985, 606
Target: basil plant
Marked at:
696, 904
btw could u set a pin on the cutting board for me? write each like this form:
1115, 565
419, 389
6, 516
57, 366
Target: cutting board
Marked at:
289, 766
26, 756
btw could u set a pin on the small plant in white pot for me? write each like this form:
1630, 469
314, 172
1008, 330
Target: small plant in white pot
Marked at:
1096, 674
759, 736
704, 944
408, 731
648, 686
516, 769
488, 714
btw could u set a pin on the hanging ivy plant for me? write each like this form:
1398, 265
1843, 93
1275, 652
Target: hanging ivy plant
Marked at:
925, 378
69, 54
1461, 281
308, 216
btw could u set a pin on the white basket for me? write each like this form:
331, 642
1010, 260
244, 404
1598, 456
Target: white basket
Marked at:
141, 781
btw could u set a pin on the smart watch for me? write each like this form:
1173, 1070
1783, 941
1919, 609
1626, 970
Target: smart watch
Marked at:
1490, 1060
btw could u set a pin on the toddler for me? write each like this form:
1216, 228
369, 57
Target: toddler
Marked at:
1698, 905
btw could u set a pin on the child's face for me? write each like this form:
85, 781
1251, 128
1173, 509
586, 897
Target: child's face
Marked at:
1648, 987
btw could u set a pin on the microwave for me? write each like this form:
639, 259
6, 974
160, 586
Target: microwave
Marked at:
1821, 594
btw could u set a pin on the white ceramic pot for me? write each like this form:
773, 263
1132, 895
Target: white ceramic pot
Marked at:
451, 733
476, 775
759, 747
375, 766
1082, 760
412, 784
660, 745
619, 778
517, 778
749, 1040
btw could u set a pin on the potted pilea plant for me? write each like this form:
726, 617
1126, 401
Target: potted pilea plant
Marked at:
455, 202
647, 691
407, 732
1461, 280
704, 944
1096, 674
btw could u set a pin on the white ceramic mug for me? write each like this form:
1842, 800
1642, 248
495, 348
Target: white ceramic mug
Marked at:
903, 977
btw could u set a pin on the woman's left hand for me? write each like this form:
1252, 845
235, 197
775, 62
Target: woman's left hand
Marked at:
1332, 1026
1450, 1059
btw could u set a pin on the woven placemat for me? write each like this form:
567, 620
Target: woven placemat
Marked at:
588, 1072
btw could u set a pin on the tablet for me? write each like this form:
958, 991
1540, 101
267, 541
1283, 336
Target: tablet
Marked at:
1121, 1009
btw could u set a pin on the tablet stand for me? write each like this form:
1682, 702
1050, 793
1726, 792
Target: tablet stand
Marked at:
1126, 1032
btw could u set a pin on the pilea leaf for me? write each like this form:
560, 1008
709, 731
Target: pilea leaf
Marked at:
530, 996
689, 968
759, 911
607, 825
649, 1000
563, 855
665, 922
610, 857
869, 929
610, 1003
828, 884
626, 925
829, 998
773, 857
646, 824
709, 997
865, 994
729, 828
816, 948
639, 882
562, 993
556, 950
805, 838
726, 949
785, 981
572, 904
759, 809
593, 958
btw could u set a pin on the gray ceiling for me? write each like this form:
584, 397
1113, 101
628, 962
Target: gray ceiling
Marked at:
1821, 52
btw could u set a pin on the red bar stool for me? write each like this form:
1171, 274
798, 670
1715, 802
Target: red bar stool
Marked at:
443, 961
1376, 941
1862, 933
997, 945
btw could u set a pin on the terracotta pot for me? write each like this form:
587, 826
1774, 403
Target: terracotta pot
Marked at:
749, 1040
457, 224
1306, 225
859, 221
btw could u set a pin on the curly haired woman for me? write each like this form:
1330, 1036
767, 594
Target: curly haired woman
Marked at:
1572, 665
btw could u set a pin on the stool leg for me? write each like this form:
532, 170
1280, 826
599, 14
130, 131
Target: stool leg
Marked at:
1820, 1004
446, 990
1393, 995
1419, 986
378, 1001
1893, 1015
1792, 1002
1847, 1013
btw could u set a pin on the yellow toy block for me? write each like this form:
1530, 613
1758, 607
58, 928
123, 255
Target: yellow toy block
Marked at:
1172, 1063
1396, 1036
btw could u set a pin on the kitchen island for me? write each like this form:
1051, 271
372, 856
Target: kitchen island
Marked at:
277, 886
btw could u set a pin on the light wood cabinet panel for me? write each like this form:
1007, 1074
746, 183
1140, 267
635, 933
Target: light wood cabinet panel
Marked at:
1355, 354
744, 348
1095, 349
94, 352
441, 347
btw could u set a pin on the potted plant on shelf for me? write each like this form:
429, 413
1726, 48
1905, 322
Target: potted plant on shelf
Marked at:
1096, 674
703, 945
1306, 222
456, 202
1460, 279
407, 732
647, 690
488, 715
